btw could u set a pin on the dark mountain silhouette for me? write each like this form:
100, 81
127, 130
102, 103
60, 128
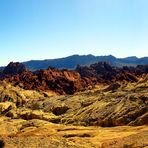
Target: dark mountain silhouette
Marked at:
71, 62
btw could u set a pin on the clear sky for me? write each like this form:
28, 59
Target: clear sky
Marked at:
44, 29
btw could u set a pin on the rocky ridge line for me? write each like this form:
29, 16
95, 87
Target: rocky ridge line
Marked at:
68, 81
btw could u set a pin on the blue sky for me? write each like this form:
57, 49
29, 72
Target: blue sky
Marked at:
44, 29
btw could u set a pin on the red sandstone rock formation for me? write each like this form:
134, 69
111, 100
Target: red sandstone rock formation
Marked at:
60, 81
14, 68
69, 82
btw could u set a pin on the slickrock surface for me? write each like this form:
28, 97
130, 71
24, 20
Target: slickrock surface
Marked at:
35, 133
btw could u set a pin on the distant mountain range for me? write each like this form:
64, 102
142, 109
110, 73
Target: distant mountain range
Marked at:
71, 62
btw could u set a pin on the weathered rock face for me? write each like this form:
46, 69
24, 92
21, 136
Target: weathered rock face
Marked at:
99, 72
62, 81
59, 81
69, 82
102, 72
14, 68
139, 70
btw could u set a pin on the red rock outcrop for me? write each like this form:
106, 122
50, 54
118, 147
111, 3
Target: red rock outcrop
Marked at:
67, 81
59, 81
14, 68
102, 72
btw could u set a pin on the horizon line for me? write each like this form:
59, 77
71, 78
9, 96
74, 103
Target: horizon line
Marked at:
76, 55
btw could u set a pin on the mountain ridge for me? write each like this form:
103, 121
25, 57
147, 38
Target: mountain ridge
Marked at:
70, 62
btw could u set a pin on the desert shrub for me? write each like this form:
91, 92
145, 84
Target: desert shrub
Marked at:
37, 105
